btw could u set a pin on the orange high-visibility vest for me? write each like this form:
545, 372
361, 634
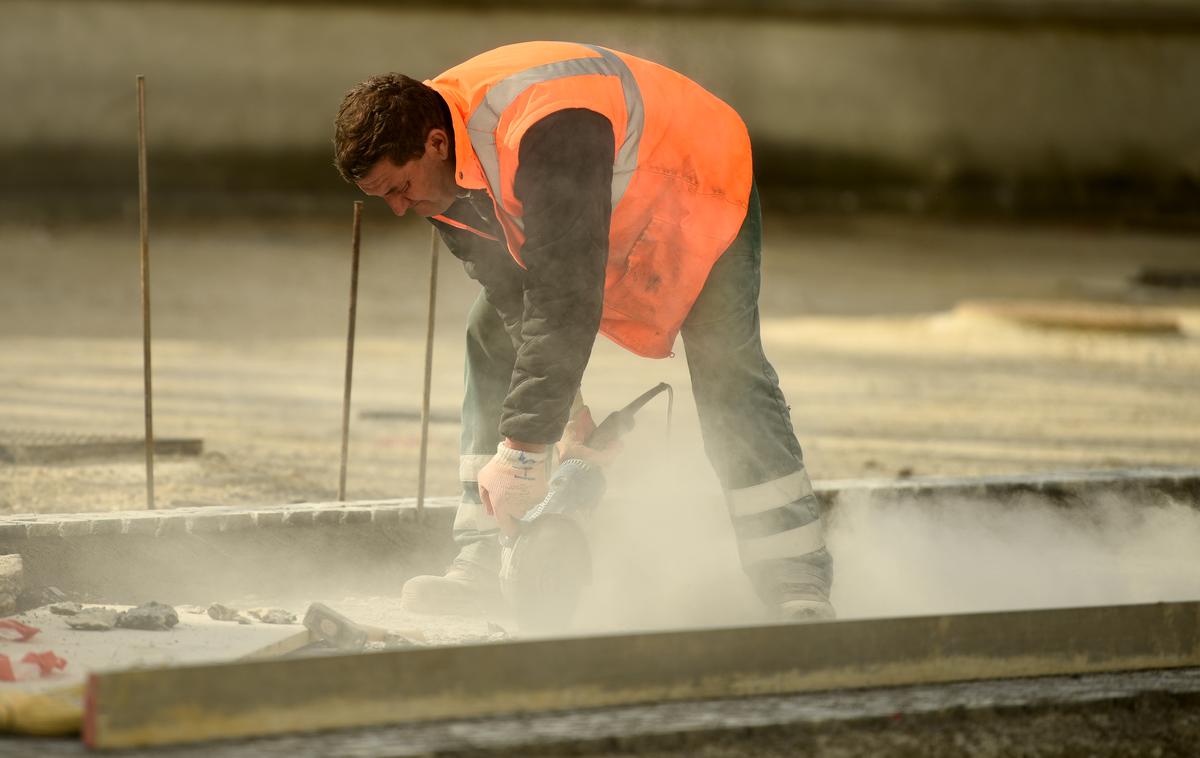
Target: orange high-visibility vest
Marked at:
681, 170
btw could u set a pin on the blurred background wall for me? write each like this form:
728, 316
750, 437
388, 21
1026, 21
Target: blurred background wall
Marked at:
911, 105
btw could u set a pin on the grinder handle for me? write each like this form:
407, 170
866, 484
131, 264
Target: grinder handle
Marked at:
621, 421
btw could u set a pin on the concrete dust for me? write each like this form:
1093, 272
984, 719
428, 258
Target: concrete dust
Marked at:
665, 557
663, 551
962, 556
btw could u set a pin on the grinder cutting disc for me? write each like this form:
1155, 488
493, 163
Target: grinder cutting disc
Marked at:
544, 572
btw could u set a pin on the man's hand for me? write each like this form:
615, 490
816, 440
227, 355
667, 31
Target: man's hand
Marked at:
578, 429
511, 483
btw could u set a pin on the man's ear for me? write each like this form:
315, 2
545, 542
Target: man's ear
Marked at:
438, 143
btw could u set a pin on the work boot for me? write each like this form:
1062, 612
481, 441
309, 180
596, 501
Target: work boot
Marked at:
797, 588
470, 587
800, 610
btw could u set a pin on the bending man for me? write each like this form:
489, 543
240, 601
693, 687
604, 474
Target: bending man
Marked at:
588, 190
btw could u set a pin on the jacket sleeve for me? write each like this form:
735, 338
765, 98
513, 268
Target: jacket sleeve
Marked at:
490, 264
564, 183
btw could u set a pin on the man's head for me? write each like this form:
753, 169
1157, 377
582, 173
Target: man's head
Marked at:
393, 138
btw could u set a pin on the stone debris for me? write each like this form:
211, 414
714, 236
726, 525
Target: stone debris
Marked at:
69, 608
327, 624
396, 641
195, 610
273, 615
11, 576
94, 620
218, 612
150, 616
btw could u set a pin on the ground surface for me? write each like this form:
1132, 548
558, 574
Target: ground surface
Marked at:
884, 376
196, 638
1129, 715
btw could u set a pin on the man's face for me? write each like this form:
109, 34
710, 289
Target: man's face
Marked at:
425, 184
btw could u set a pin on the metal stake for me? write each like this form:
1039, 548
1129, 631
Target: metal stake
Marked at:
433, 268
144, 223
350, 348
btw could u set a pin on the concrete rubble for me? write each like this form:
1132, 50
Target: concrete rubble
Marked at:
150, 616
219, 612
94, 620
69, 608
396, 641
273, 615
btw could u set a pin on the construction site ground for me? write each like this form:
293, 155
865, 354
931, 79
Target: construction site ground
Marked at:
886, 375
892, 367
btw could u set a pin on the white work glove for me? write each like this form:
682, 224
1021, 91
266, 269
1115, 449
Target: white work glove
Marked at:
512, 482
573, 442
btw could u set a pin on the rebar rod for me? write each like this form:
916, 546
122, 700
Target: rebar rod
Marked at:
354, 247
144, 234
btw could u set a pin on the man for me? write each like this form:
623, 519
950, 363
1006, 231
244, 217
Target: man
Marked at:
588, 191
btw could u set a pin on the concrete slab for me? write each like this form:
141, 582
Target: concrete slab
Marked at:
195, 639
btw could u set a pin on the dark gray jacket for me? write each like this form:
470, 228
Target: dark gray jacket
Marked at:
552, 307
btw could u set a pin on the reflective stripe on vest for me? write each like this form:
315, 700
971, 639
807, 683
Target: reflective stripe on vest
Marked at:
482, 127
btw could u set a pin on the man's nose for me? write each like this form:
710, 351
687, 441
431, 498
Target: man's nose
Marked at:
398, 205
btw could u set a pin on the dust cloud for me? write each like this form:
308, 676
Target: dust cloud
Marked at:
962, 556
663, 551
665, 556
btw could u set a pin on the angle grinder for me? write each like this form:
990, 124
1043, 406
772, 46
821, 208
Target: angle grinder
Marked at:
547, 564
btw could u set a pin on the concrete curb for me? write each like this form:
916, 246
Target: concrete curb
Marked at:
219, 519
202, 554
1067, 488
1070, 487
206, 554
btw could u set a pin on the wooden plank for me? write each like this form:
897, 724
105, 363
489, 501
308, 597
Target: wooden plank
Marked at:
155, 707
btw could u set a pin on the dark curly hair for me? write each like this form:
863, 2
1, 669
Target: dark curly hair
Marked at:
387, 116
